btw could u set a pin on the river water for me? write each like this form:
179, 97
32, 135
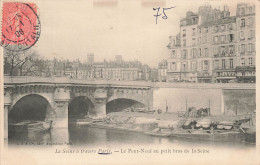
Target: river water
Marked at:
92, 137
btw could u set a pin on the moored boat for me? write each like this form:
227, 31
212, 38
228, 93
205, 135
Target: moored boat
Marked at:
83, 122
208, 135
30, 126
159, 132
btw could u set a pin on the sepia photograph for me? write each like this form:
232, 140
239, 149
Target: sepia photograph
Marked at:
129, 82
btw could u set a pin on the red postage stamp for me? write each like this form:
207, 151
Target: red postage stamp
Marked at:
20, 26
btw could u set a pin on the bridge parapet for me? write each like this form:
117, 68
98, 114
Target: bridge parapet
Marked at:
74, 82
8, 81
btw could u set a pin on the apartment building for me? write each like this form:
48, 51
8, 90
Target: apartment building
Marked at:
246, 43
213, 46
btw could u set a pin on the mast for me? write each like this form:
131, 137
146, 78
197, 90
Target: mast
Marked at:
166, 108
209, 107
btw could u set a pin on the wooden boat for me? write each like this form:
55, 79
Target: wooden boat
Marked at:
83, 122
159, 132
30, 126
209, 135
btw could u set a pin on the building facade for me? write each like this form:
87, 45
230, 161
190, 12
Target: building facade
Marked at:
162, 71
213, 46
106, 70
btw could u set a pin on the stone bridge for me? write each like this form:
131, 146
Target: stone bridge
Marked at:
57, 98
61, 98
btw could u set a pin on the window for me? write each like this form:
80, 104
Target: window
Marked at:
194, 65
249, 47
222, 50
223, 64
184, 67
193, 31
242, 11
193, 53
216, 28
223, 38
223, 27
242, 61
173, 66
215, 39
242, 23
243, 48
173, 55
231, 63
199, 30
241, 35
250, 61
199, 52
250, 10
205, 65
216, 50
230, 37
184, 42
184, 54
193, 41
250, 21
205, 29
251, 34
184, 32
231, 49
216, 64
230, 26
206, 52
199, 40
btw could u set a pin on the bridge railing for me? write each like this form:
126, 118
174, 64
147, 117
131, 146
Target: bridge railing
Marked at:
66, 80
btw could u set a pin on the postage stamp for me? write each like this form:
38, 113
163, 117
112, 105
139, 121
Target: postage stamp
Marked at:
20, 27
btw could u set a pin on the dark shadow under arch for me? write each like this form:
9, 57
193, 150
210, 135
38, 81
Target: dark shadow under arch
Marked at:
80, 106
30, 107
118, 105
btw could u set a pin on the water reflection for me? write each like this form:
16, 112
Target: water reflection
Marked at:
89, 136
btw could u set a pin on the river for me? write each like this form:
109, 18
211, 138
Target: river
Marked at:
92, 137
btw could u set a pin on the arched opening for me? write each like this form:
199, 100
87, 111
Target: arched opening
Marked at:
80, 107
118, 105
31, 107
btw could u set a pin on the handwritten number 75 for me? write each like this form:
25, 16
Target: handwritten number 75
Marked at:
164, 14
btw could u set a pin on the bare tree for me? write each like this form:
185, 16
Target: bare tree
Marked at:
23, 63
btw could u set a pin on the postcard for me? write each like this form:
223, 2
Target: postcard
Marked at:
129, 82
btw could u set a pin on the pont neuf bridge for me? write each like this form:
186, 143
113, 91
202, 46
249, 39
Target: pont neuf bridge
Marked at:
58, 98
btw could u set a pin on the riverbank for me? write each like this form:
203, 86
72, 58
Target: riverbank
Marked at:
169, 124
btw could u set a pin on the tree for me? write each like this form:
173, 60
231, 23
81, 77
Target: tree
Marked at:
23, 63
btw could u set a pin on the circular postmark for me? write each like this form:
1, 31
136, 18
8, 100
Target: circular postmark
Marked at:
21, 26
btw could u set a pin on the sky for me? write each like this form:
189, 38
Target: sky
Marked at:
72, 29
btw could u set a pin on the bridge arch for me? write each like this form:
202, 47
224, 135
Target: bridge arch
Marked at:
80, 106
121, 104
18, 96
30, 107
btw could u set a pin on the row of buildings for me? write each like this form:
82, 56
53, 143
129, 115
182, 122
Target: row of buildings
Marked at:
213, 46
117, 69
